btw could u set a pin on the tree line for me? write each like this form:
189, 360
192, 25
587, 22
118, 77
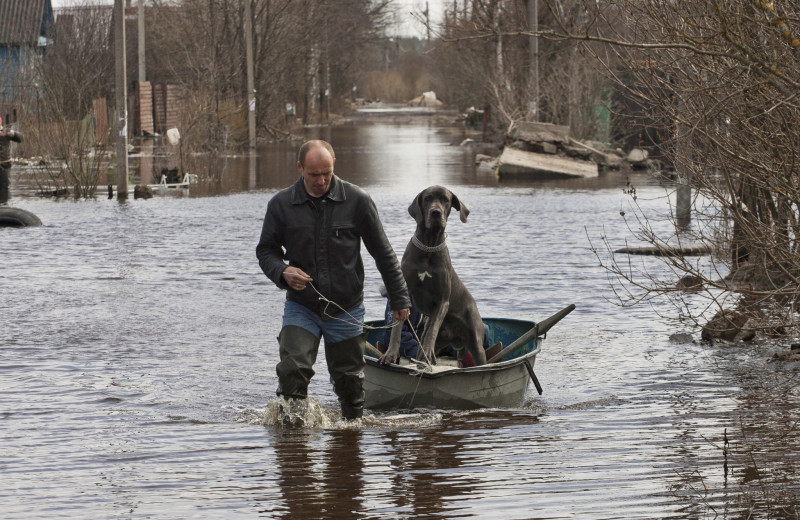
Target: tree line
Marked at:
710, 87
308, 54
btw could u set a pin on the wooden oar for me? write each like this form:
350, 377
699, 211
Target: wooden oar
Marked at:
538, 330
372, 351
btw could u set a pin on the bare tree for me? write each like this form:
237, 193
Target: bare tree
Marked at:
59, 122
711, 86
196, 45
483, 56
302, 49
717, 82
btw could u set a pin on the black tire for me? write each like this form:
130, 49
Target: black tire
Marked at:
16, 217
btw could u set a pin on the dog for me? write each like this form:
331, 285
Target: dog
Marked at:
451, 314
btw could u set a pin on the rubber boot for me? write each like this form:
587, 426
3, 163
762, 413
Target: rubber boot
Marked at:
298, 350
4, 182
346, 367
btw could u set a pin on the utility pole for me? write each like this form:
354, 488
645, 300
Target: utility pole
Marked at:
428, 21
140, 32
251, 87
121, 90
326, 35
683, 195
533, 27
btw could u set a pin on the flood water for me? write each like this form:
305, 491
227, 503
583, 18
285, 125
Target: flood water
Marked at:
138, 358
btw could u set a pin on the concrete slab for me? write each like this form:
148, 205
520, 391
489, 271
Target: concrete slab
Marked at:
539, 132
518, 163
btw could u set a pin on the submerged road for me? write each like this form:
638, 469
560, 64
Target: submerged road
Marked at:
138, 354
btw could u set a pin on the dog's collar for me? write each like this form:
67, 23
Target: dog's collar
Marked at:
428, 249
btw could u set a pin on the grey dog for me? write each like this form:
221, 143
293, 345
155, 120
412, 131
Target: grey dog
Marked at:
451, 314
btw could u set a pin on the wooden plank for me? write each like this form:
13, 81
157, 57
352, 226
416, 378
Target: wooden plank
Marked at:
519, 163
173, 106
160, 108
100, 114
144, 108
690, 250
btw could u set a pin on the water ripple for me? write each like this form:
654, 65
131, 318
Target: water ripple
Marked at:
139, 350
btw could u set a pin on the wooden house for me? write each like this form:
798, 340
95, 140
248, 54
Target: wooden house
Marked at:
24, 29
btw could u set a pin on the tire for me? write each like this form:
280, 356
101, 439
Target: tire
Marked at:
16, 217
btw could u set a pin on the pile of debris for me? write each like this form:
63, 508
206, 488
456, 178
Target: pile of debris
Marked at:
547, 150
426, 99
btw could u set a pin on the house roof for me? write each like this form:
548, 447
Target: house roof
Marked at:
23, 21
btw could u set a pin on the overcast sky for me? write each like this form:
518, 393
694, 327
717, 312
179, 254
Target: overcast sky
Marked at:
406, 25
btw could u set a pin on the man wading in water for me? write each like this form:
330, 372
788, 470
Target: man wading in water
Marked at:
6, 136
317, 225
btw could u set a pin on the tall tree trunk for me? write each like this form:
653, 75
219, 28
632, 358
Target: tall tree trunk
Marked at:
498, 48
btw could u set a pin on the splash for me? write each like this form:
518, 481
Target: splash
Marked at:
308, 413
406, 419
281, 412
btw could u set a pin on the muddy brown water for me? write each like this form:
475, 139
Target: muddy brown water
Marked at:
138, 355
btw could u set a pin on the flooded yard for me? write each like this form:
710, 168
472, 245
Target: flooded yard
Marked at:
139, 347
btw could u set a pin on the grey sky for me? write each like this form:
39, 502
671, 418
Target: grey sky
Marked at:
406, 25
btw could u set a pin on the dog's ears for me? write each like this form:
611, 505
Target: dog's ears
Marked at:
415, 209
462, 208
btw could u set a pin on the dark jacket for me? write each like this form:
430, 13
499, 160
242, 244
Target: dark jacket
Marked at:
5, 147
325, 242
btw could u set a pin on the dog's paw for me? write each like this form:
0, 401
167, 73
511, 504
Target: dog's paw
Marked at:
427, 355
389, 357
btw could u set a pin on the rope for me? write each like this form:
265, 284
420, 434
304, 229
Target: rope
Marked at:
355, 321
426, 363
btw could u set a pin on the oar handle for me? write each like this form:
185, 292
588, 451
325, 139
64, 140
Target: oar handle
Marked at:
372, 351
537, 330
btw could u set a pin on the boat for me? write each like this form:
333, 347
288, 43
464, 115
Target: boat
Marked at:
163, 187
188, 179
501, 383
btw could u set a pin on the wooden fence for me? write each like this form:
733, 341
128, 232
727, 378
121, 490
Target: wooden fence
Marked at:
158, 107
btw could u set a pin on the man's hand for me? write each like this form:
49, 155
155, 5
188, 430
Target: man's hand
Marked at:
402, 314
295, 278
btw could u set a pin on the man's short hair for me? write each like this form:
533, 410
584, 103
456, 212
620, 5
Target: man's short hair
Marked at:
311, 145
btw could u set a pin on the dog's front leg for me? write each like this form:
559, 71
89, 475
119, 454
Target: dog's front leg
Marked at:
432, 326
393, 351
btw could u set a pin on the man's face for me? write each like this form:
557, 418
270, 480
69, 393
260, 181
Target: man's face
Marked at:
317, 172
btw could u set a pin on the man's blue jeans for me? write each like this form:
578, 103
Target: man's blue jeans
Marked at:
344, 353
343, 326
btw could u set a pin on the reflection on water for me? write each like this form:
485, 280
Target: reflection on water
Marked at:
375, 154
320, 479
369, 154
139, 349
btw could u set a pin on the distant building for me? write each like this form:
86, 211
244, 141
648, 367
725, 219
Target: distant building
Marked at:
24, 29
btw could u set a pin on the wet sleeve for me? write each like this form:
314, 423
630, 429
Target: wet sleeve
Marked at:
380, 249
270, 246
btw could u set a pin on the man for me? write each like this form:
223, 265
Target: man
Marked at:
6, 136
317, 226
